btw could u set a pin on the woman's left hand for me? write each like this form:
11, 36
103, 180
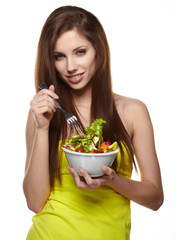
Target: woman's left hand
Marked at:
85, 181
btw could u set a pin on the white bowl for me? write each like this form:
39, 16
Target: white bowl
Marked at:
91, 162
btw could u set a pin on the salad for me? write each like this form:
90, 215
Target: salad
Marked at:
92, 141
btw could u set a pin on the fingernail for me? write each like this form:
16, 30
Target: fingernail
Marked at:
106, 169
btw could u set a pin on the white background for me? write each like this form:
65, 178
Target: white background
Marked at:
142, 38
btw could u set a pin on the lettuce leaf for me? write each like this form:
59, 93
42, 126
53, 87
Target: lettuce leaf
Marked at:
92, 139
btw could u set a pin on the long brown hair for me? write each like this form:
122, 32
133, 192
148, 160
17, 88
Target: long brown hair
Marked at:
61, 20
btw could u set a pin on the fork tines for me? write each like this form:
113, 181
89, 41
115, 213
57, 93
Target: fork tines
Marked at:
75, 125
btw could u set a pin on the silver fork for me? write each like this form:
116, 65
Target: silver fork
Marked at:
70, 118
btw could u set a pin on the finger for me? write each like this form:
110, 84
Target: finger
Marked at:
52, 88
75, 176
42, 107
48, 92
108, 171
47, 102
78, 181
70, 171
86, 176
43, 100
42, 110
73, 172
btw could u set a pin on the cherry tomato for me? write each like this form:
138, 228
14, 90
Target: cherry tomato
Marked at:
79, 149
98, 151
107, 143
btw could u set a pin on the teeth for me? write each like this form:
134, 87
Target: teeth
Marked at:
75, 77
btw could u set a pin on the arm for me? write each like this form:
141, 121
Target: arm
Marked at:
36, 183
147, 192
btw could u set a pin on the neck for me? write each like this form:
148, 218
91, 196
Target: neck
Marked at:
82, 98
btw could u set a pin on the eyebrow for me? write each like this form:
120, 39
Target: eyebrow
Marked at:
74, 50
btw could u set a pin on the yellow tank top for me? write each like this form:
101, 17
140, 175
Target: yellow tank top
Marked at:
79, 214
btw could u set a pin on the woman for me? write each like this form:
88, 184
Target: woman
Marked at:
74, 61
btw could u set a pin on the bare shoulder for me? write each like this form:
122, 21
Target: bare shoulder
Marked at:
131, 111
126, 105
127, 102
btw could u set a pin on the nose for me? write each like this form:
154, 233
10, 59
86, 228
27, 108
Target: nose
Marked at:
71, 65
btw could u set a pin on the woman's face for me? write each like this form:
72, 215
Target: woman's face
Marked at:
74, 59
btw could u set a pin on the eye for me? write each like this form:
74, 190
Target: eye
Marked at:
58, 56
81, 52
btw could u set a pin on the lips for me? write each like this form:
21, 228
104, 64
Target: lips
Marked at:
75, 78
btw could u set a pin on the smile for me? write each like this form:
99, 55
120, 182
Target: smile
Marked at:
75, 78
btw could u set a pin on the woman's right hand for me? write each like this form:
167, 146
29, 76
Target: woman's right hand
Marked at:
43, 107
